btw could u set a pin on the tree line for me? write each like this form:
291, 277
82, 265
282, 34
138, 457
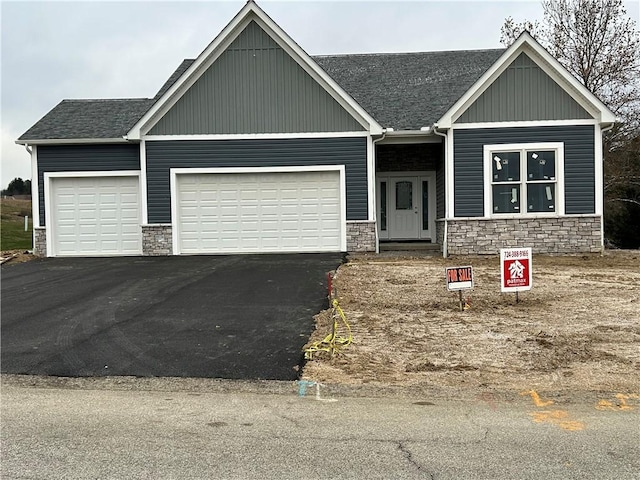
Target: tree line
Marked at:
17, 186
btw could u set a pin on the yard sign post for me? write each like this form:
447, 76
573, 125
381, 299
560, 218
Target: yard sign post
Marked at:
515, 270
459, 278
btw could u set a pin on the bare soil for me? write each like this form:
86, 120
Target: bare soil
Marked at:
577, 329
11, 257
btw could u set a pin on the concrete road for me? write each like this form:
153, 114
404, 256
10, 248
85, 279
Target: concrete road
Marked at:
238, 316
107, 434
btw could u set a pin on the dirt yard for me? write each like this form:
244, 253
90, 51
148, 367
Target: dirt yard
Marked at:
577, 329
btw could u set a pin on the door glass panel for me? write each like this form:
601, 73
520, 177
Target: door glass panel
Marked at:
404, 195
425, 205
383, 206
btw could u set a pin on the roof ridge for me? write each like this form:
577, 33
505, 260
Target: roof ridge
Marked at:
105, 99
371, 54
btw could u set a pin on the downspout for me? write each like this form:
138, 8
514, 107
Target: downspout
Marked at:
33, 184
445, 241
602, 131
375, 209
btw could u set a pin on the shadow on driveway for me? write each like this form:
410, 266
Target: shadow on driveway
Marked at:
238, 317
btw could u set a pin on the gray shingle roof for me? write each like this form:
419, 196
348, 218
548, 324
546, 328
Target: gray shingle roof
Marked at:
404, 91
186, 63
407, 91
88, 119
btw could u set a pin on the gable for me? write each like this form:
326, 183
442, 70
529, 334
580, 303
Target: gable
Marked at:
254, 86
523, 92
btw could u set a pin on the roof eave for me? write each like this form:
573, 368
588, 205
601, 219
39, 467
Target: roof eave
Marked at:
70, 141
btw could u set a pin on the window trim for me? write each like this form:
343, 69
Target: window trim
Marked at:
490, 150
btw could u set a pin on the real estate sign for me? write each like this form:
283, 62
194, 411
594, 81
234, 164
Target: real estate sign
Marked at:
515, 269
459, 278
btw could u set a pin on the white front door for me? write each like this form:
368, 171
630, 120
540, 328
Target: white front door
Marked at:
406, 206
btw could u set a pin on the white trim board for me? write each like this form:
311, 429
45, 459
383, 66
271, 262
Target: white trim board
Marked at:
537, 123
174, 172
256, 136
144, 209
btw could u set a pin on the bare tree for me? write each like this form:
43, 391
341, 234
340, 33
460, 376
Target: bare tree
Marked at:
598, 43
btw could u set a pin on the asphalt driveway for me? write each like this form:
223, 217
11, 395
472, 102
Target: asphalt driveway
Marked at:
241, 317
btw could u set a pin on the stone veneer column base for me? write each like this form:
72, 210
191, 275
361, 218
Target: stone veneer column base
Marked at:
440, 234
40, 241
157, 240
361, 236
575, 234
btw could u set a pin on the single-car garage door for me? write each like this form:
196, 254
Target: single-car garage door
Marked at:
95, 215
259, 212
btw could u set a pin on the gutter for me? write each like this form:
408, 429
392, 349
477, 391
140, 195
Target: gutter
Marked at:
445, 242
71, 141
606, 129
602, 131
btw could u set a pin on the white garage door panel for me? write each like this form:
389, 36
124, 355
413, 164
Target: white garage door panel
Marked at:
96, 216
267, 212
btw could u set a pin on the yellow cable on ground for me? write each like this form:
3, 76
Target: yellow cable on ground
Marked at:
332, 343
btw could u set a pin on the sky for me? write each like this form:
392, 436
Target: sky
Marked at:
53, 50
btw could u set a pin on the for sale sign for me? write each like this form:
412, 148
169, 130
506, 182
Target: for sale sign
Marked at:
459, 278
515, 269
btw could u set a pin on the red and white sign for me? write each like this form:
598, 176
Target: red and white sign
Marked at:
515, 269
459, 278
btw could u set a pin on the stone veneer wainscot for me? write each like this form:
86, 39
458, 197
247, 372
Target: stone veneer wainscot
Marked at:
575, 234
157, 240
361, 236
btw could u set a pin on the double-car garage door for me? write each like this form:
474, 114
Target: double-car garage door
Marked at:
296, 211
258, 212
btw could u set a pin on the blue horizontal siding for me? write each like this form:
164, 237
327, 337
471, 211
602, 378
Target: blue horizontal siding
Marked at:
579, 164
83, 158
162, 156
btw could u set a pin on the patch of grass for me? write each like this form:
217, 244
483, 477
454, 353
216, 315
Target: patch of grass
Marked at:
12, 234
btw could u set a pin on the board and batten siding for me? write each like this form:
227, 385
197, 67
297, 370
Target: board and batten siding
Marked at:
164, 155
255, 87
579, 164
523, 92
83, 158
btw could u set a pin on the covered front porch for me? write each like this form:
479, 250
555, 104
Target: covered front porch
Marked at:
409, 191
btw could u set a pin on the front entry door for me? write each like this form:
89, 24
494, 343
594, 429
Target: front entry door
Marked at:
404, 221
406, 206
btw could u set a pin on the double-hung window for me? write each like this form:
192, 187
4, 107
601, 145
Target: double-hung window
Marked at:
523, 179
